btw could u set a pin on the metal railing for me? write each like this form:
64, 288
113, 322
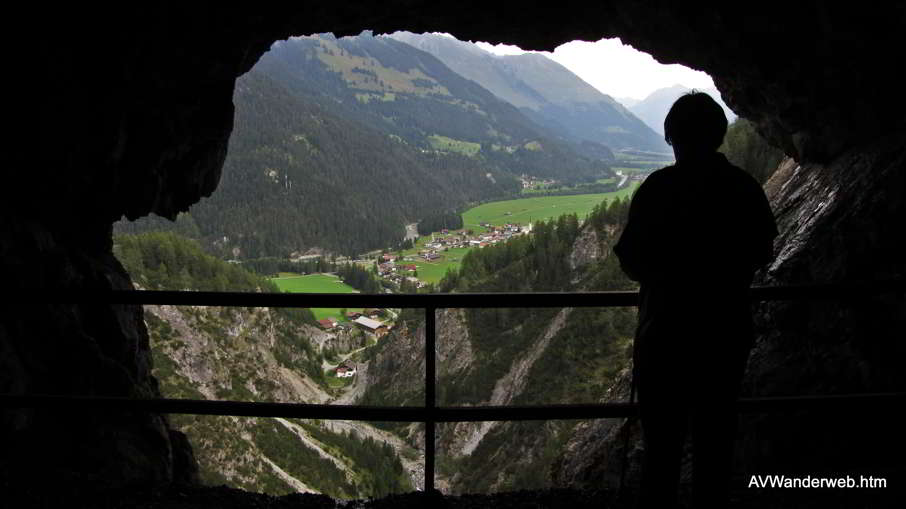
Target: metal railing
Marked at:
431, 414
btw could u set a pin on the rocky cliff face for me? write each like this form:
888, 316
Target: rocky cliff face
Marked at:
461, 439
206, 353
258, 355
839, 222
454, 350
396, 367
232, 354
394, 376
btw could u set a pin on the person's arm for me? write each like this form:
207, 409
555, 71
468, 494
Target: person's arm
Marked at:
629, 248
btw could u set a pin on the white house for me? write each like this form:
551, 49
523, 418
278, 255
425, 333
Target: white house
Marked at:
344, 371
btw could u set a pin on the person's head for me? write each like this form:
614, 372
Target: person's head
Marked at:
695, 125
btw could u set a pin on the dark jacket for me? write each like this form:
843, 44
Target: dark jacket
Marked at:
696, 233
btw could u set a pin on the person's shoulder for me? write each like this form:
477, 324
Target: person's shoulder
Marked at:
661, 175
656, 182
666, 170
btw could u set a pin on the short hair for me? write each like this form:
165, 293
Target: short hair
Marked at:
695, 120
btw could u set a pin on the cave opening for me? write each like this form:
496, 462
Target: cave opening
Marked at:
162, 136
285, 84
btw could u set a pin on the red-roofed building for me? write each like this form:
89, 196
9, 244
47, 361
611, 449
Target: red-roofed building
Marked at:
327, 323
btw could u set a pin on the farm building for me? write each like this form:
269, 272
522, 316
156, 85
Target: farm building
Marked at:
327, 323
344, 371
373, 326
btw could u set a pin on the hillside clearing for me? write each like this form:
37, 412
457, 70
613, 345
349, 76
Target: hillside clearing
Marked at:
315, 283
542, 208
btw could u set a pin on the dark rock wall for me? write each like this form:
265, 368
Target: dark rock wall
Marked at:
842, 221
75, 349
127, 110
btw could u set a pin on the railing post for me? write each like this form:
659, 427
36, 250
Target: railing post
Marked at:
430, 395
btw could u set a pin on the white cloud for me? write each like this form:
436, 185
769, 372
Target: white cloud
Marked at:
614, 68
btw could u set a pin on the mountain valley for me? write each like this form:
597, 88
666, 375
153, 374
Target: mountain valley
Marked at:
338, 145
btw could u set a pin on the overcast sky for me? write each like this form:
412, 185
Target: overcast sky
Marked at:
616, 69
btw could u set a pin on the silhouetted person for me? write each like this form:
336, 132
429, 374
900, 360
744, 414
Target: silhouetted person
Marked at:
697, 231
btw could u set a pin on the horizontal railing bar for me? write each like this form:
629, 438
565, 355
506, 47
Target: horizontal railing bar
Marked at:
422, 414
215, 407
830, 402
828, 291
444, 300
353, 300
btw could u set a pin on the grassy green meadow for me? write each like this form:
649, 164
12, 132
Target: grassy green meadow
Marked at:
446, 144
315, 283
433, 272
525, 210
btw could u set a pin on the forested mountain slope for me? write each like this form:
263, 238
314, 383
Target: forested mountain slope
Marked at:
339, 143
747, 149
406, 92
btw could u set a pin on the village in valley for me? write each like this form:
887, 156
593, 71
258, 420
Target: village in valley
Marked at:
423, 261
402, 266
529, 182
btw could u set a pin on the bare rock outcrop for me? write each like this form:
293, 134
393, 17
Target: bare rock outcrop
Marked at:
454, 349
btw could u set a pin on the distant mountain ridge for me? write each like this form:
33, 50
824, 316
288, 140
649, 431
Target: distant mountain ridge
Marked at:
654, 108
545, 91
406, 92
